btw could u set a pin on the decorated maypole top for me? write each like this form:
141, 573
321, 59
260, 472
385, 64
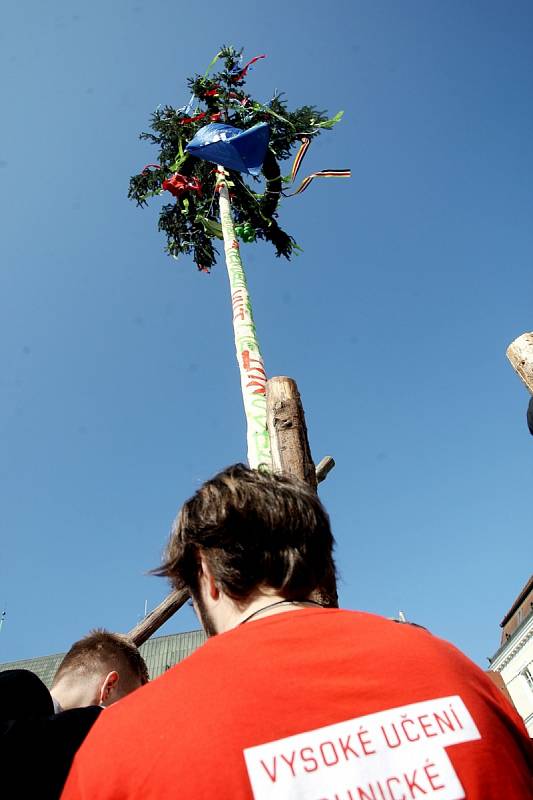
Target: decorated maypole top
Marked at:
226, 145
222, 119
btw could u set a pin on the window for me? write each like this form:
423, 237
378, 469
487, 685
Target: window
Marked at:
528, 675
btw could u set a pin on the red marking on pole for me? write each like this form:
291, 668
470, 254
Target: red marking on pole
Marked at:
260, 390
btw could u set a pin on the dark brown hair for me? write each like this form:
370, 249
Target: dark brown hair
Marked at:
101, 649
253, 528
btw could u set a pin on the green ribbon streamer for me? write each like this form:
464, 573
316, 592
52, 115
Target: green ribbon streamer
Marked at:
212, 64
329, 123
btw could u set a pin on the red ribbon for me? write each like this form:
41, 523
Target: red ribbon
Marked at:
214, 118
178, 184
193, 119
246, 67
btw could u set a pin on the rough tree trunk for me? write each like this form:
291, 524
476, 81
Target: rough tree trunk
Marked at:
291, 455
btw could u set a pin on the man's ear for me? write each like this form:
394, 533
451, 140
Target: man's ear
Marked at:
207, 579
109, 687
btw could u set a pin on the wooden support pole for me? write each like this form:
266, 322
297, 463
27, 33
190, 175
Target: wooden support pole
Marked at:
160, 614
291, 454
520, 354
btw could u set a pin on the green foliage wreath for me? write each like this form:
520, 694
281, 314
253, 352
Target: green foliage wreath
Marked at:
191, 221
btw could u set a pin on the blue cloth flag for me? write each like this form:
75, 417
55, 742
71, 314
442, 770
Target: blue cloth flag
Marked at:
243, 151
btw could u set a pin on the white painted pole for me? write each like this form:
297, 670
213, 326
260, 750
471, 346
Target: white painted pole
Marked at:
249, 358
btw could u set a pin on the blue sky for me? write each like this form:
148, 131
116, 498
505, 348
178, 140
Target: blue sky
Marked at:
119, 390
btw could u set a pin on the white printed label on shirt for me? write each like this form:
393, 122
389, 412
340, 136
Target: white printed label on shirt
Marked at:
397, 754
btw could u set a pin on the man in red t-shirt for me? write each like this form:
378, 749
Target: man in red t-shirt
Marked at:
291, 700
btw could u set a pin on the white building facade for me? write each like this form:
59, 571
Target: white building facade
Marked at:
514, 659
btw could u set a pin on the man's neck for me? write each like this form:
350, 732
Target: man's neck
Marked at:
261, 606
71, 697
58, 708
278, 607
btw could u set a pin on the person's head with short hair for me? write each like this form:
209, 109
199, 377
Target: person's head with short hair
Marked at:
99, 669
245, 536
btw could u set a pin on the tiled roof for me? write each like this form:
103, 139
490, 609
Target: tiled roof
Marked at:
160, 653
521, 597
43, 666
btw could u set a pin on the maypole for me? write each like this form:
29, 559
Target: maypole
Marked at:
249, 358
224, 127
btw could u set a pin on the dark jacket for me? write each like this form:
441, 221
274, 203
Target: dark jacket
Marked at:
36, 745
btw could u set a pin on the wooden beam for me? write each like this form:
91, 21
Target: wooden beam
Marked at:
157, 617
291, 455
520, 354
323, 468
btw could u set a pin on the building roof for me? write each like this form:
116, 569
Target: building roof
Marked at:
160, 653
520, 599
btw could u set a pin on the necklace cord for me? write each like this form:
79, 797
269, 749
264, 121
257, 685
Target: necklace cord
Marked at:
279, 603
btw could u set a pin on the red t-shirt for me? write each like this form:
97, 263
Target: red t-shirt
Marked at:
311, 704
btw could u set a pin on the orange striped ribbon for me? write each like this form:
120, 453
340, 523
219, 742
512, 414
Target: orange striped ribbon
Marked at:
323, 173
306, 141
